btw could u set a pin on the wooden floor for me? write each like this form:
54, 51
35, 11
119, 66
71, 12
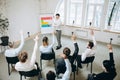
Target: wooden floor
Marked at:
101, 54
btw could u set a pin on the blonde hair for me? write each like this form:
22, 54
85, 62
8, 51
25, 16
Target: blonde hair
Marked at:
10, 44
23, 56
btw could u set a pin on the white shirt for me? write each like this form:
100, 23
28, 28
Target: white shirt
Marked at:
66, 75
25, 66
28, 65
47, 49
89, 52
57, 24
14, 52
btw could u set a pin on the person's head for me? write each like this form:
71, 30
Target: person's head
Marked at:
23, 56
45, 41
90, 45
50, 75
57, 16
107, 66
66, 51
10, 44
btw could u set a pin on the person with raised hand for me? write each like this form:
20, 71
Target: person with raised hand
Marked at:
90, 51
46, 47
13, 52
27, 65
108, 66
66, 76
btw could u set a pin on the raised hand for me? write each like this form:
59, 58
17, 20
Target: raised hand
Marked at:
109, 46
92, 32
36, 38
73, 37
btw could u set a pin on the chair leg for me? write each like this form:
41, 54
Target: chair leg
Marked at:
87, 64
8, 69
1, 48
77, 69
41, 64
74, 75
54, 60
25, 77
91, 68
20, 77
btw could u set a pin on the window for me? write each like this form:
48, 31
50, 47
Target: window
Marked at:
94, 12
113, 16
60, 10
82, 12
74, 12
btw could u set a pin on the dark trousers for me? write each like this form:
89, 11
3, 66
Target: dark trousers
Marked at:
58, 36
79, 61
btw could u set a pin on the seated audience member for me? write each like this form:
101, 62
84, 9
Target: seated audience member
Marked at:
60, 64
108, 66
13, 52
24, 64
66, 76
45, 47
88, 52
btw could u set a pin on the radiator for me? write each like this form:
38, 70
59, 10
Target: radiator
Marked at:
118, 39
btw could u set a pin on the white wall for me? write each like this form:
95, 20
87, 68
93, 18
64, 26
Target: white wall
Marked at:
101, 36
22, 14
48, 6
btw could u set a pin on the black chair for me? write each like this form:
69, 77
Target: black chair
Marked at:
5, 41
11, 60
47, 56
31, 73
87, 61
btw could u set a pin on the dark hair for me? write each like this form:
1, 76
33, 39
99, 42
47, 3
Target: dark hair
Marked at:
91, 44
57, 14
50, 75
23, 56
66, 51
108, 65
45, 39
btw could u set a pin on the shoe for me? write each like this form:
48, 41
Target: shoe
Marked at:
80, 66
58, 47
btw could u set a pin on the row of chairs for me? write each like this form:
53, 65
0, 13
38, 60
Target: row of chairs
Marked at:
47, 56
13, 60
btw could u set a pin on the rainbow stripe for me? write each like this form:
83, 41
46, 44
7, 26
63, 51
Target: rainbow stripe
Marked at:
44, 23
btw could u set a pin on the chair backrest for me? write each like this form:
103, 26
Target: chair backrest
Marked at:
12, 60
89, 60
5, 40
29, 73
48, 56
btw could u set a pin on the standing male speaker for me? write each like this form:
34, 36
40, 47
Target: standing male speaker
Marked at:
57, 26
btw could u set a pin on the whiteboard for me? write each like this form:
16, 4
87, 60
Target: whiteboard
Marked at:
46, 23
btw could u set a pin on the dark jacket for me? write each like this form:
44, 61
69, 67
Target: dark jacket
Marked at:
107, 75
60, 64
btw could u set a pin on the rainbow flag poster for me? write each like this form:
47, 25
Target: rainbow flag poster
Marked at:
46, 24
